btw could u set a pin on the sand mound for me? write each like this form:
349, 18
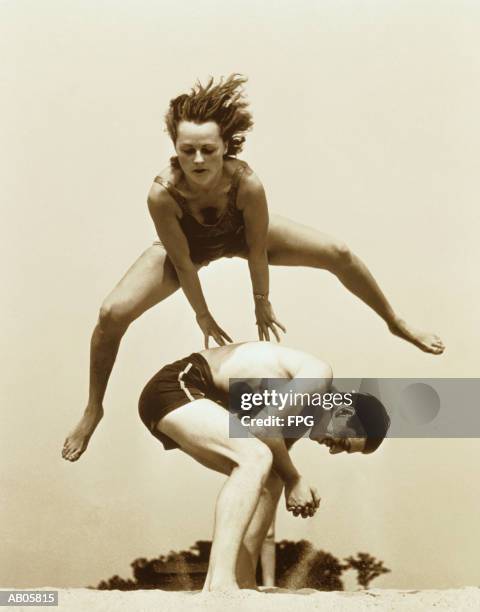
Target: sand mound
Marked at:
79, 600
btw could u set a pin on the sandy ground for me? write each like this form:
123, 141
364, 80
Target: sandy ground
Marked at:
73, 600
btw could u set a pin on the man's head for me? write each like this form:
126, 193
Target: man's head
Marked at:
359, 428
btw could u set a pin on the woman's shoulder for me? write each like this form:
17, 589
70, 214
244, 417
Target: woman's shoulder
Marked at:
171, 174
234, 165
245, 180
243, 176
164, 189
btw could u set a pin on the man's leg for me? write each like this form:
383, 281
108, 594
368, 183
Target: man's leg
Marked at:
257, 531
268, 557
201, 428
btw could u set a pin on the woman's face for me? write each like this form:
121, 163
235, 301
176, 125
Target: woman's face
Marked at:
200, 150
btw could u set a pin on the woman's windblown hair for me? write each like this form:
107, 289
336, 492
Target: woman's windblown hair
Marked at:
223, 103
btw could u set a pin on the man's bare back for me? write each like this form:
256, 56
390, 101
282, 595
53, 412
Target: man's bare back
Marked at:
254, 360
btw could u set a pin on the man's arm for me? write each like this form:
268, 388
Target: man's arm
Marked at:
282, 462
300, 497
309, 375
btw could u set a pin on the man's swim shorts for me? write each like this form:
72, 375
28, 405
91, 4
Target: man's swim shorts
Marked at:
173, 386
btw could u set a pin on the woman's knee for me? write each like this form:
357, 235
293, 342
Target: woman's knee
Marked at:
340, 256
114, 316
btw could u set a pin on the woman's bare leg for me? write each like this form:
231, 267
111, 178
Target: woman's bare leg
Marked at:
293, 244
201, 428
150, 280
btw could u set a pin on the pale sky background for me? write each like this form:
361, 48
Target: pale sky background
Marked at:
366, 126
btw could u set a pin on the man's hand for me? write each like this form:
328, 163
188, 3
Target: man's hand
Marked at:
301, 498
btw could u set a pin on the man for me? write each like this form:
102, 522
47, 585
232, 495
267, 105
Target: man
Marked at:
183, 406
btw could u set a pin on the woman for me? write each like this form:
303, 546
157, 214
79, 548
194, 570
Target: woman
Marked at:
206, 205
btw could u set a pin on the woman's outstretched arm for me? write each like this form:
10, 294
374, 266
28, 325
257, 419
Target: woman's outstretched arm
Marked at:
164, 215
253, 203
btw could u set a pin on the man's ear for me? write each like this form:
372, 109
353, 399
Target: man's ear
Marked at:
319, 428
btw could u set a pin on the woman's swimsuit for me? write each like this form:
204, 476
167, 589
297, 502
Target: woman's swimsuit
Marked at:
225, 238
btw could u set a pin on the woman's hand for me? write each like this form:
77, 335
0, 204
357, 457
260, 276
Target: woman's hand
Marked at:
210, 328
266, 319
300, 498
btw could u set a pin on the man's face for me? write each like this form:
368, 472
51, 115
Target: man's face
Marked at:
340, 436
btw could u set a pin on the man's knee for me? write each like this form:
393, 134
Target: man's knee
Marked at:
258, 459
270, 537
263, 457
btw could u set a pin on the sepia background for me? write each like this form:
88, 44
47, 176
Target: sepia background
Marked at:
366, 128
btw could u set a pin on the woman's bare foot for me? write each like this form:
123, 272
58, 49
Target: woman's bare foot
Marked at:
77, 441
426, 341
